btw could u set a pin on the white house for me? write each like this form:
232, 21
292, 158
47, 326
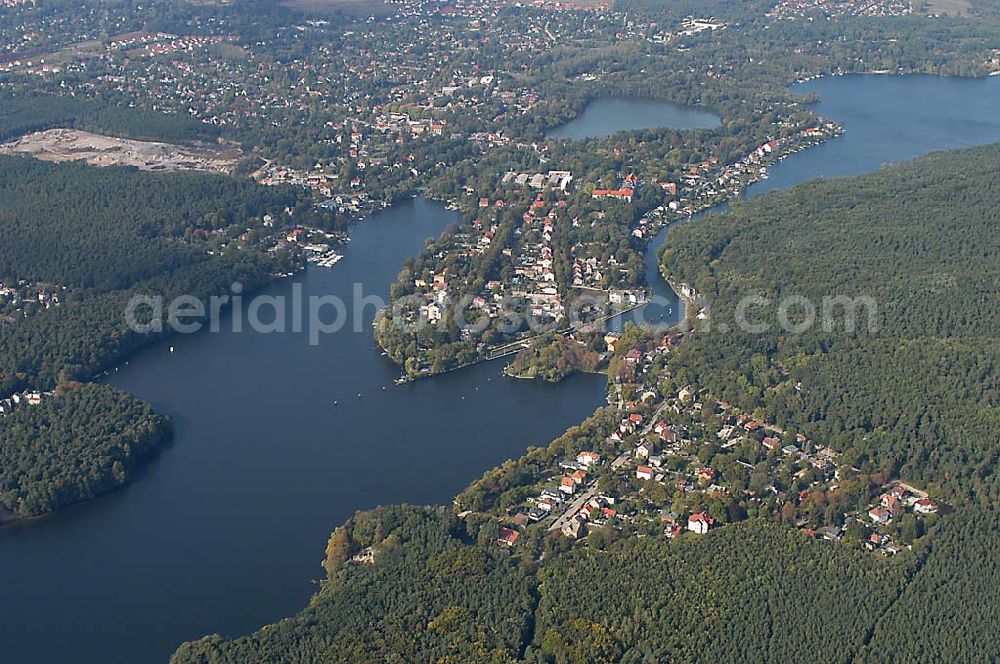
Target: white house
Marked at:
700, 523
643, 450
879, 515
567, 486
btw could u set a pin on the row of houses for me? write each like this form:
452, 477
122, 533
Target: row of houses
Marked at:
624, 192
23, 299
897, 500
535, 260
553, 179
19, 399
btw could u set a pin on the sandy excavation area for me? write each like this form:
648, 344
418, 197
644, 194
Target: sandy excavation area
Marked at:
60, 145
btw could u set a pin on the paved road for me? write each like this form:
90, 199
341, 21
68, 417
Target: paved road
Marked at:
584, 497
575, 506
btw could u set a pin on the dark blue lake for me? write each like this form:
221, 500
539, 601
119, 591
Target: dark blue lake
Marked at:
604, 117
888, 119
226, 527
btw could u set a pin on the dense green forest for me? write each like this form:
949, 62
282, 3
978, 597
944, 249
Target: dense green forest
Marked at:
107, 228
441, 590
915, 396
101, 236
753, 592
111, 233
27, 113
915, 382
553, 358
75, 445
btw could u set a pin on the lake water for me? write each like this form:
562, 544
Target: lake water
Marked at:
604, 117
225, 528
888, 119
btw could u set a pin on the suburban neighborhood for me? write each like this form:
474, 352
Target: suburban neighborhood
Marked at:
679, 463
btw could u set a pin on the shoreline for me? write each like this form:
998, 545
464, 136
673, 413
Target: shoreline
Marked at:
139, 465
451, 203
668, 277
681, 215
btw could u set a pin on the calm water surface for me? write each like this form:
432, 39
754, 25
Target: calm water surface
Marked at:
604, 117
226, 527
888, 119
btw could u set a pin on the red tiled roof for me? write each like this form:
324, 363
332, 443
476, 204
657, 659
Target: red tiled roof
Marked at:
508, 536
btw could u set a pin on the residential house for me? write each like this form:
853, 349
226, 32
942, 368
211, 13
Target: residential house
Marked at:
573, 529
520, 520
700, 523
876, 540
643, 450
879, 515
552, 495
567, 486
707, 474
508, 537
831, 533
620, 194
891, 503
365, 556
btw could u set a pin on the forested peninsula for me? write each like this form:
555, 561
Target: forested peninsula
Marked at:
84, 441
87, 240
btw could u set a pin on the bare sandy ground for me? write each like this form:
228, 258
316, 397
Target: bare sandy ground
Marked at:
950, 7
59, 145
